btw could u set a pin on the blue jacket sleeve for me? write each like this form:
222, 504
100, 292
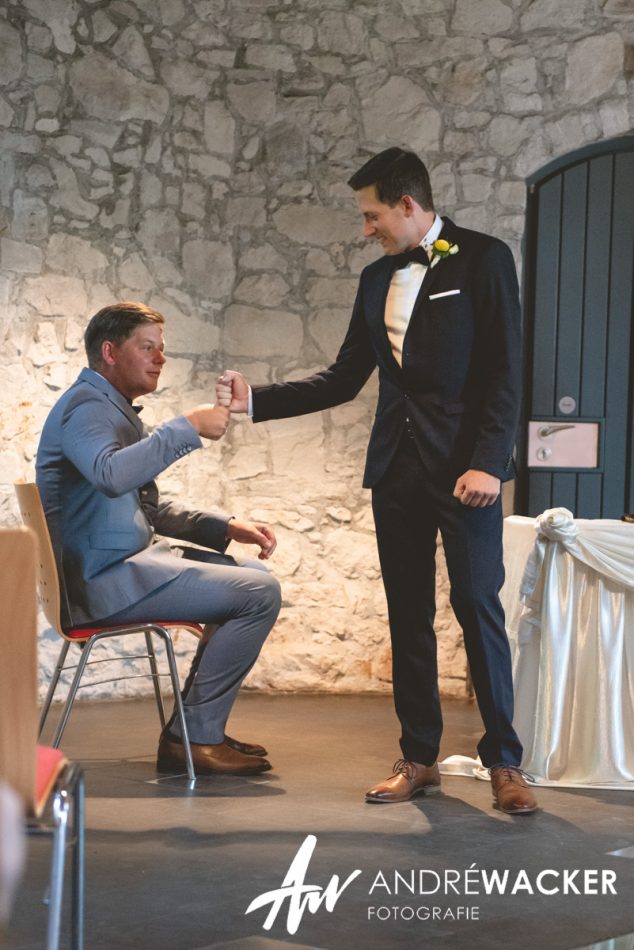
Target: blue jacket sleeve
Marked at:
100, 451
206, 528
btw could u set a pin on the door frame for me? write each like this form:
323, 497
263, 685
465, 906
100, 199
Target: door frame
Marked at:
622, 143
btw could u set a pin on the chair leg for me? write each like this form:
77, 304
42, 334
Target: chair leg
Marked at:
155, 677
53, 685
69, 791
178, 702
70, 699
56, 894
77, 923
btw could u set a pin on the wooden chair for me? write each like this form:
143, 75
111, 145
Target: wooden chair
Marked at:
40, 776
51, 589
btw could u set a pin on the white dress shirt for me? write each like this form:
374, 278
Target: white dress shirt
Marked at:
401, 297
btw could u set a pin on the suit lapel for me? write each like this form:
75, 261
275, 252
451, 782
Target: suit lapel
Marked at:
113, 395
448, 231
376, 295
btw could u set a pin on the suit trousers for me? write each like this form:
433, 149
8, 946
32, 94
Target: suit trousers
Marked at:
409, 509
238, 601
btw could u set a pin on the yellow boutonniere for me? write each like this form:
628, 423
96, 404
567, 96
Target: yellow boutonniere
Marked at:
442, 248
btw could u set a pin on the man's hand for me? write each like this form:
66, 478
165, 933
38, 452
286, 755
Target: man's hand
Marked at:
209, 421
249, 532
232, 391
477, 489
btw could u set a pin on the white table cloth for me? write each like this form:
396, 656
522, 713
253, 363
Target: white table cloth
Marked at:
569, 601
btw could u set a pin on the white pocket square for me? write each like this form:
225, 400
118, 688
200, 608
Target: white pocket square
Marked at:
445, 293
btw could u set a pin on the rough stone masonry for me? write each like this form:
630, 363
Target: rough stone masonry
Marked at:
193, 154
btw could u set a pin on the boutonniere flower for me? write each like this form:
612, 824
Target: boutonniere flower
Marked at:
442, 248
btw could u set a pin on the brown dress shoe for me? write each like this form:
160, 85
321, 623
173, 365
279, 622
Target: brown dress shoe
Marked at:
511, 794
246, 748
208, 759
407, 780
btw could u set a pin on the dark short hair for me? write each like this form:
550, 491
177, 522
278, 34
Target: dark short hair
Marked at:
116, 323
395, 173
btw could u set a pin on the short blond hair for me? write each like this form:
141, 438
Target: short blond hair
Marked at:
116, 323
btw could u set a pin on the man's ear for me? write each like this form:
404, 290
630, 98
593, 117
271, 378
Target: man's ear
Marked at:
407, 203
108, 353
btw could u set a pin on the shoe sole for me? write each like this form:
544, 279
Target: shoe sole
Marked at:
176, 768
426, 790
515, 811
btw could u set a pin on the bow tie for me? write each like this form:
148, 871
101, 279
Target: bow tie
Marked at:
416, 256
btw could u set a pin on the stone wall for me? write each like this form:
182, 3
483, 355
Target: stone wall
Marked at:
193, 154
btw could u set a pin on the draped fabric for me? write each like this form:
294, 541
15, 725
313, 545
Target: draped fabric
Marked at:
572, 636
569, 602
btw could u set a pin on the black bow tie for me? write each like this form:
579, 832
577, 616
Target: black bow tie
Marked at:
416, 256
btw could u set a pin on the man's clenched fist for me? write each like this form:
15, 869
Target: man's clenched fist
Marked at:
232, 391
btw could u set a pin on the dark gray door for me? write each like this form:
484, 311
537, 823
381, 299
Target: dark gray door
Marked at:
576, 444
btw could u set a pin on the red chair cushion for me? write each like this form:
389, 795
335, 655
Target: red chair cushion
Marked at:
85, 633
48, 765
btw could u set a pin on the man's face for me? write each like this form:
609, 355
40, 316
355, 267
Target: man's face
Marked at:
393, 228
134, 366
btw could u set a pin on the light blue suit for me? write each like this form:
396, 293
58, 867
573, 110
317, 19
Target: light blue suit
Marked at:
95, 469
94, 463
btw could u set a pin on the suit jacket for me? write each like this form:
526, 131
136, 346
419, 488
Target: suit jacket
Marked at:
460, 379
94, 469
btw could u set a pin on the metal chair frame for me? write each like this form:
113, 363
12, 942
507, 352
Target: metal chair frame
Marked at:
52, 589
67, 803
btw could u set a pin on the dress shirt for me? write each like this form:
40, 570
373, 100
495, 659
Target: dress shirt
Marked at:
401, 297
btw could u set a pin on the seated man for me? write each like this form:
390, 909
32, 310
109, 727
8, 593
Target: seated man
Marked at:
95, 470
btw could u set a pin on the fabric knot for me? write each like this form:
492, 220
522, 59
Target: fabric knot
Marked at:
557, 524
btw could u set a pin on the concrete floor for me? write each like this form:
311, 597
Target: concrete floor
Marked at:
169, 869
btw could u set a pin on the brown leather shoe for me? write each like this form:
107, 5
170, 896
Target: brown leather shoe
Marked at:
408, 779
246, 748
511, 794
208, 759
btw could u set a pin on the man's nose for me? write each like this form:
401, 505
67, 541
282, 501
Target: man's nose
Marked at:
368, 229
160, 357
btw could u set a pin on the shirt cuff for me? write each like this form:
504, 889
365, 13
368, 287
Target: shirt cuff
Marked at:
250, 404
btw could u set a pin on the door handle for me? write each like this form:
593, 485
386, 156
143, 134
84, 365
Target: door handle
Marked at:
546, 431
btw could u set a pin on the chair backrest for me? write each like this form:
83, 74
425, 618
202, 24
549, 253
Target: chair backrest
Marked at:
30, 505
18, 661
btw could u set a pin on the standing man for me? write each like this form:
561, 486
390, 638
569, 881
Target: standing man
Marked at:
95, 463
439, 315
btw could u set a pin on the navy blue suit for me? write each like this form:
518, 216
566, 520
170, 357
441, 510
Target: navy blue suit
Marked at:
459, 387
